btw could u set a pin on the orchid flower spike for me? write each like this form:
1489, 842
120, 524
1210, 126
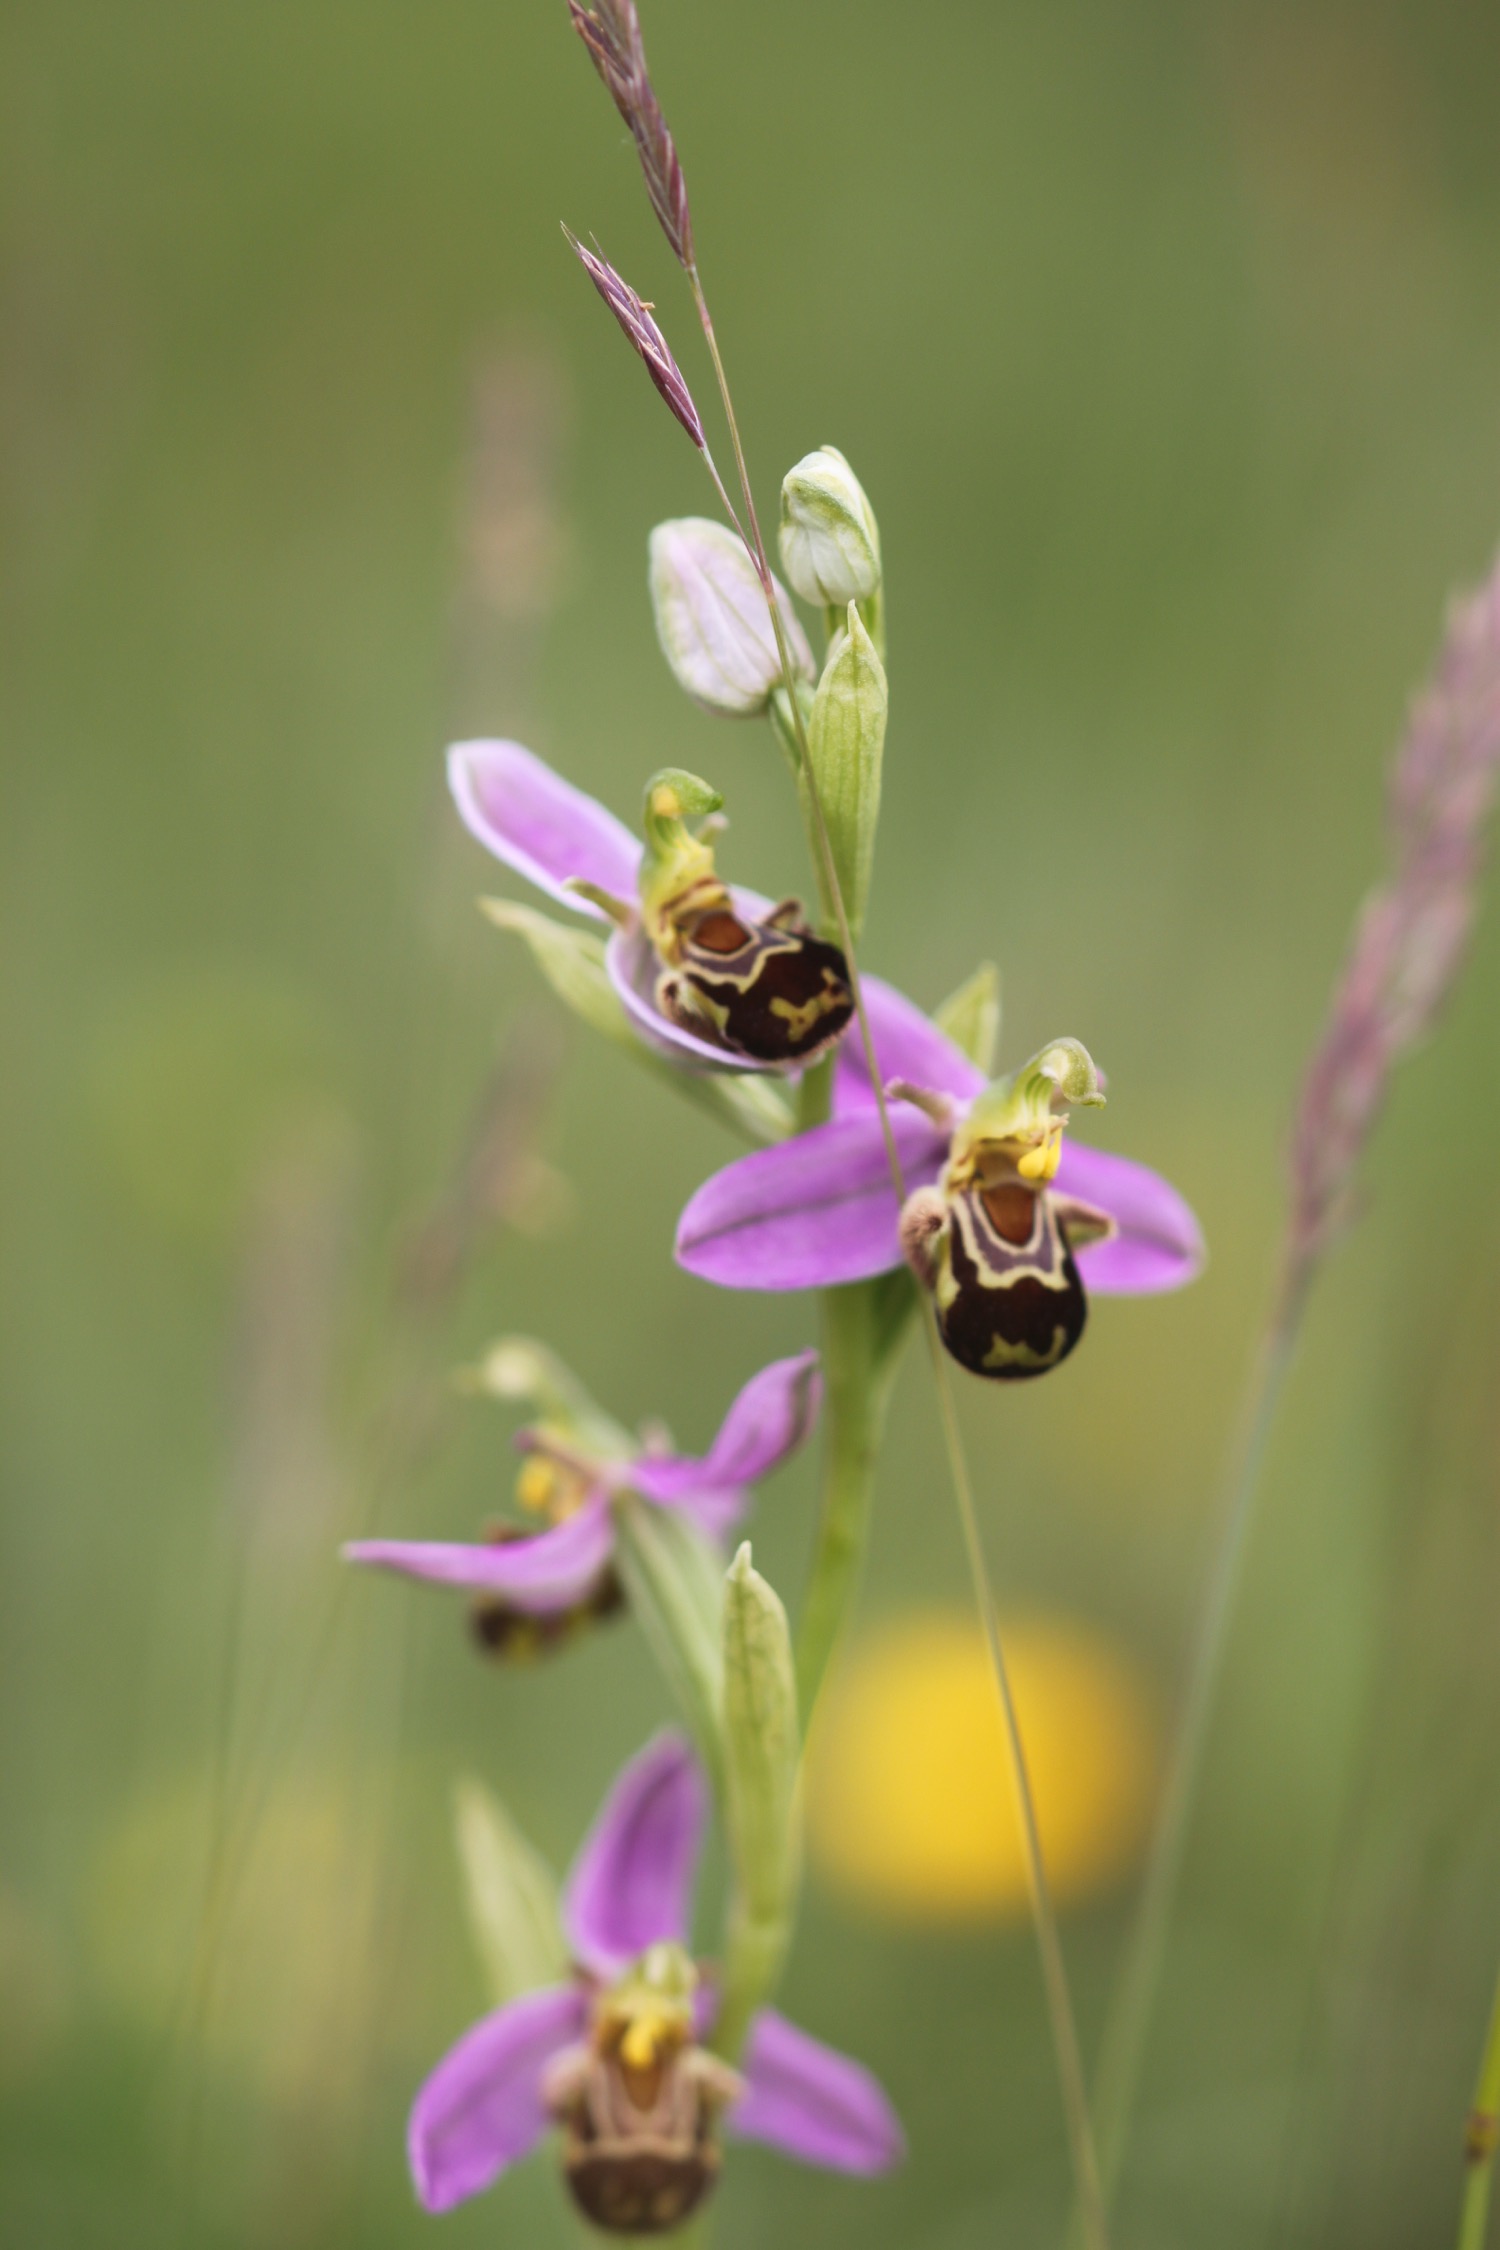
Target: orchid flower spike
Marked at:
535, 1589
994, 1240
1010, 1226
719, 977
616, 2059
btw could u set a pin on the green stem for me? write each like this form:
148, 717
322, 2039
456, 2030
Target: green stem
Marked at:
1130, 2017
1481, 2139
815, 1095
856, 1394
754, 1952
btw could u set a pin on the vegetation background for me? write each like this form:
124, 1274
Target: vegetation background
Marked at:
1166, 340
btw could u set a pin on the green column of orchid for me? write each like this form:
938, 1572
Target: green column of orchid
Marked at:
864, 1326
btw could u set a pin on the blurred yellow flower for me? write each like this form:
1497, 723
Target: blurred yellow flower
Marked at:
909, 1799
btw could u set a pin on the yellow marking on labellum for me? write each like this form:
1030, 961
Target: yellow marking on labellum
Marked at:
1005, 1355
800, 1021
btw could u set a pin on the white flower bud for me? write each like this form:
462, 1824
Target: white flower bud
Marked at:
712, 620
830, 546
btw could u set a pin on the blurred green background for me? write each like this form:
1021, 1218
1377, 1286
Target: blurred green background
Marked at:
1166, 341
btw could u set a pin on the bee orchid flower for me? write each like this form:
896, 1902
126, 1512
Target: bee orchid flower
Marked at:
718, 977
616, 2059
533, 1589
1007, 1223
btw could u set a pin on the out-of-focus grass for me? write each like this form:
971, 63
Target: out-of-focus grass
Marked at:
1166, 344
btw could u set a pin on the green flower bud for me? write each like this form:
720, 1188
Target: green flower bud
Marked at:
712, 621
830, 545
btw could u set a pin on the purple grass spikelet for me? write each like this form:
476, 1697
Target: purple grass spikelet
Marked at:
611, 31
634, 316
1410, 938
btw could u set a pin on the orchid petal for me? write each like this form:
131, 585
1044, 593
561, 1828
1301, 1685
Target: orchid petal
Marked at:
816, 1210
550, 1572
633, 969
1159, 1244
812, 2102
632, 1883
540, 825
772, 1416
482, 2107
908, 1045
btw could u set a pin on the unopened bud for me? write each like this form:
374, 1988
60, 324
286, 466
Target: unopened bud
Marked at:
830, 546
712, 620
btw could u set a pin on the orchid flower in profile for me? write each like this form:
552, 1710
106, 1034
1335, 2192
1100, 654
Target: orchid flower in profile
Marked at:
615, 2057
535, 1589
719, 978
1009, 1226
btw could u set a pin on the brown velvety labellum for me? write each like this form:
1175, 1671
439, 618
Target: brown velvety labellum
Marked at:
634, 2168
770, 990
1012, 1305
519, 1636
630, 2188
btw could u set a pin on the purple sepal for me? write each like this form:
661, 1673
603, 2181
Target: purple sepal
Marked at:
772, 1416
632, 1883
908, 1045
541, 1575
482, 2108
540, 825
812, 2102
814, 1211
1159, 1245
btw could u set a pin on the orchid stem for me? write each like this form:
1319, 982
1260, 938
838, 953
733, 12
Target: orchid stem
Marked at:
847, 1512
1481, 2139
1130, 2017
854, 1418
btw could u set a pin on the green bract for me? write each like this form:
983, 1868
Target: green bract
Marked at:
762, 1750
971, 1016
846, 743
511, 1895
